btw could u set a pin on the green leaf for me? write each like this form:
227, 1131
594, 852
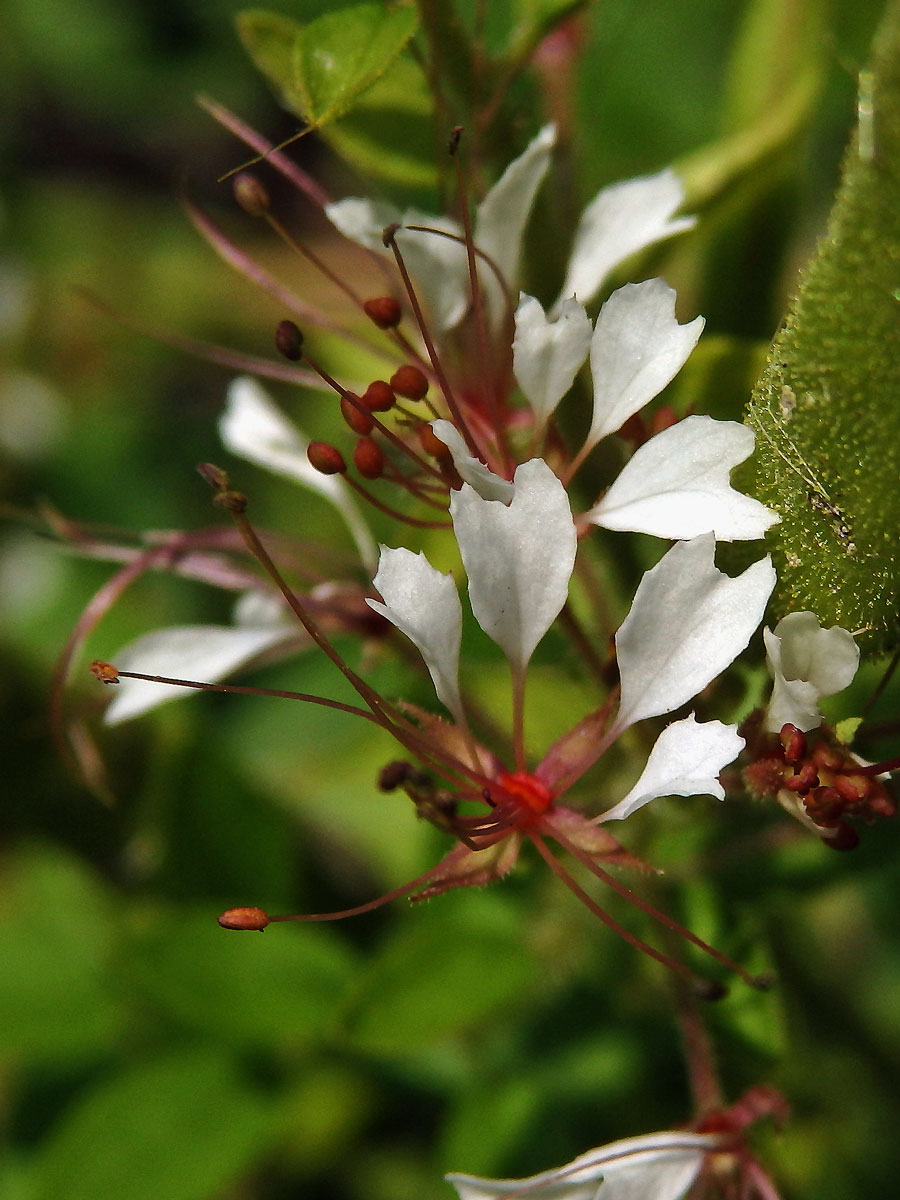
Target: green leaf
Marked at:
181, 1127
272, 990
270, 40
57, 1002
439, 979
827, 409
341, 54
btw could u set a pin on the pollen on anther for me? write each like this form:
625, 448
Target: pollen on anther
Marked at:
244, 918
104, 671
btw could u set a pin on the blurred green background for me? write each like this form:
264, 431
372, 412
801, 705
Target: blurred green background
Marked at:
144, 1053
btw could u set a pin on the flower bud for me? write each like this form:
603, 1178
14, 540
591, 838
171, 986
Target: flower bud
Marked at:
326, 458
383, 311
410, 382
356, 416
289, 340
251, 194
369, 458
378, 396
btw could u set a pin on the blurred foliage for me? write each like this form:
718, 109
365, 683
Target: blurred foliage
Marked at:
143, 1052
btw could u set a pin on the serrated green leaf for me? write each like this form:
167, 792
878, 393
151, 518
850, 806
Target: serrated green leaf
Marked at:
827, 409
341, 54
180, 1127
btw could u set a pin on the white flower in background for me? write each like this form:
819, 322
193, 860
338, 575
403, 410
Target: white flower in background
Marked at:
657, 1166
621, 220
807, 663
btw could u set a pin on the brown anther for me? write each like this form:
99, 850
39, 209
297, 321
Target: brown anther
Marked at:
432, 444
250, 194
355, 415
394, 775
369, 458
378, 396
794, 743
383, 311
844, 837
244, 918
326, 458
410, 382
234, 502
389, 232
851, 790
804, 780
104, 671
455, 134
289, 340
214, 476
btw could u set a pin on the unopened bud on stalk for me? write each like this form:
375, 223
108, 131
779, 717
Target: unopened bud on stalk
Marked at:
369, 458
251, 195
326, 458
378, 396
410, 382
355, 416
289, 340
383, 311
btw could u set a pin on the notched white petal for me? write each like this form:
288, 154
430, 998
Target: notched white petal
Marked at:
472, 470
548, 353
501, 217
685, 761
688, 622
659, 1166
424, 604
619, 221
677, 486
806, 662
519, 559
206, 653
253, 428
637, 348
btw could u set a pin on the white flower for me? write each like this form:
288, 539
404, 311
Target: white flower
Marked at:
519, 560
807, 663
253, 428
620, 221
657, 1166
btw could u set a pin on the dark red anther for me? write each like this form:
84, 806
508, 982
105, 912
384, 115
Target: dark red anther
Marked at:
383, 311
326, 458
394, 775
851, 790
432, 444
369, 458
804, 780
844, 837
378, 396
289, 340
794, 743
244, 918
250, 194
355, 415
410, 382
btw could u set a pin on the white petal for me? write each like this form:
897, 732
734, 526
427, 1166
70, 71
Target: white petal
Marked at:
617, 223
206, 653
547, 354
437, 264
253, 428
687, 623
637, 348
424, 604
472, 470
685, 761
501, 217
677, 485
660, 1166
806, 662
519, 559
